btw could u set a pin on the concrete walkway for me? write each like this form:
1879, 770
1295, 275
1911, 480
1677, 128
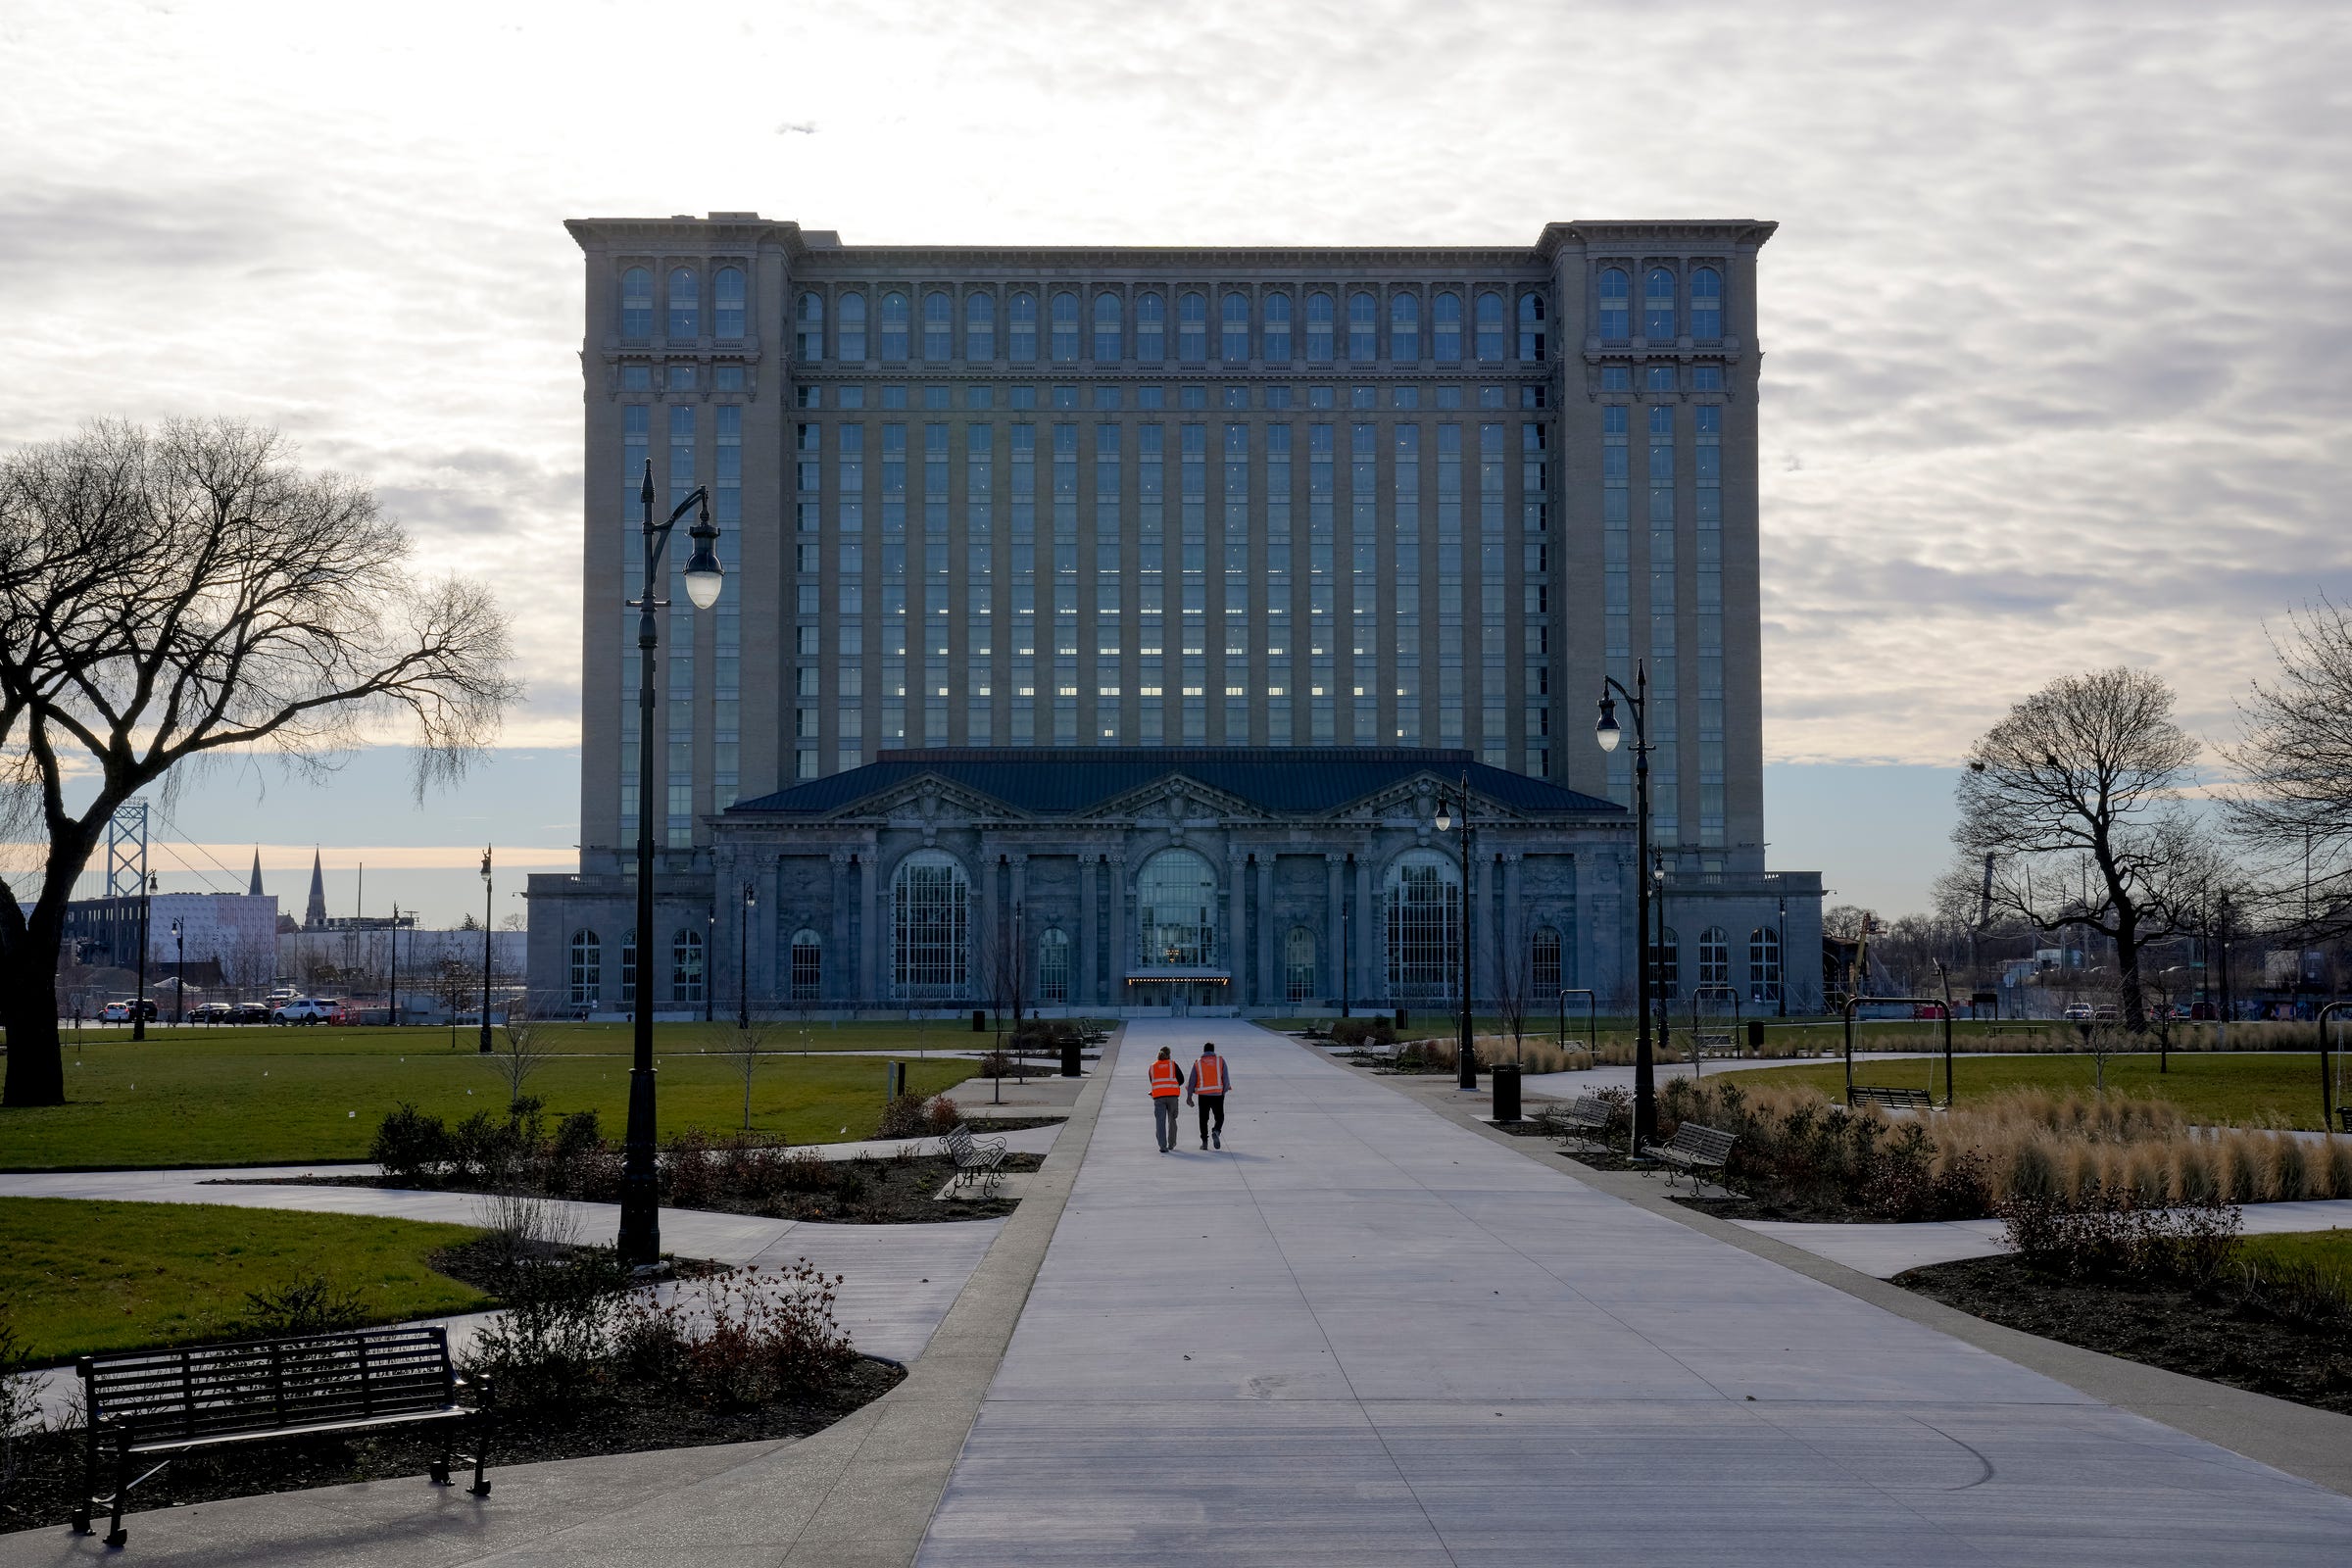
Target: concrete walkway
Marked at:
1362, 1335
1884, 1251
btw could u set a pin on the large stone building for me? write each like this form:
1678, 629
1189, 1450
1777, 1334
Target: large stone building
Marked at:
1008, 529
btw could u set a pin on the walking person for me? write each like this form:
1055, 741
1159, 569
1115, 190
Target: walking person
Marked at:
1168, 1082
1210, 1078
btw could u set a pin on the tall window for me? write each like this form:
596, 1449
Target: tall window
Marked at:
1318, 328
1490, 329
1021, 322
1616, 324
1107, 329
1054, 966
1666, 964
1191, 328
1363, 327
686, 967
929, 904
1657, 304
852, 329
1298, 965
1706, 303
979, 329
628, 967
939, 326
1714, 962
1150, 329
1405, 329
894, 327
1065, 329
807, 968
1543, 962
727, 301
1277, 330
1176, 904
637, 303
1764, 964
685, 303
1445, 328
587, 968
1423, 920
1532, 346
1234, 341
808, 327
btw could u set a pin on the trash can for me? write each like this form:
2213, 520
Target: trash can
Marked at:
894, 1080
1402, 1020
1755, 1037
1069, 1058
979, 1020
1506, 1091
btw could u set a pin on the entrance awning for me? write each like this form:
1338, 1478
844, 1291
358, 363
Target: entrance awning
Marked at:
1218, 977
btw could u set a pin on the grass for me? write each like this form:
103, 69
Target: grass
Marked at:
2329, 1250
79, 1275
2237, 1088
582, 1039
295, 1095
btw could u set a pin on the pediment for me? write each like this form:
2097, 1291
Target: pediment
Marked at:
1415, 796
927, 797
1152, 802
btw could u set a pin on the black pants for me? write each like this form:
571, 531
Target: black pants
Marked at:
1211, 1106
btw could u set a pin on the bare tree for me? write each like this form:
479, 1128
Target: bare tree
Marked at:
1513, 982
524, 1050
168, 594
2292, 804
744, 1048
2076, 795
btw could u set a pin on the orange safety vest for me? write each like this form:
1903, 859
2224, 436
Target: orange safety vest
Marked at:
1212, 1075
1166, 1079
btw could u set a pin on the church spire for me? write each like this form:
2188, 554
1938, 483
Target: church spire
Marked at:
315, 916
254, 886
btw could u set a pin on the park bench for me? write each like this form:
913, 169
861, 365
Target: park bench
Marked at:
2345, 1112
976, 1159
1718, 1045
1584, 1119
151, 1403
1890, 1099
1694, 1148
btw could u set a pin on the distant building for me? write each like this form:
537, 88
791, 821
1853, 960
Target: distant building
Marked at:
238, 931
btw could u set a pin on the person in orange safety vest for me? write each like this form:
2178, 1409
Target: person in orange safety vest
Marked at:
1211, 1076
1168, 1082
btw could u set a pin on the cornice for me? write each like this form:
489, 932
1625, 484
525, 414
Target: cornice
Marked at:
1746, 233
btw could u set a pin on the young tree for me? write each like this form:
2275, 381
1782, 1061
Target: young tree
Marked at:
169, 594
744, 1048
2074, 795
524, 1050
2292, 805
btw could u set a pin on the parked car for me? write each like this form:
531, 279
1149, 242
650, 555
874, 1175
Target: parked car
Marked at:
121, 1012
209, 1012
250, 1013
2079, 1012
305, 1010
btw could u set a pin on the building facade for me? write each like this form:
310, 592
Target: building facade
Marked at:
1181, 500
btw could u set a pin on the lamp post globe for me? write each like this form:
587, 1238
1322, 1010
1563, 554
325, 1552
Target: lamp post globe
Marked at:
1607, 732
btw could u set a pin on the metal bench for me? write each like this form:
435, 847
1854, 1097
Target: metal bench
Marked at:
1890, 1099
1694, 1148
1585, 1119
2344, 1114
146, 1403
1719, 1046
976, 1159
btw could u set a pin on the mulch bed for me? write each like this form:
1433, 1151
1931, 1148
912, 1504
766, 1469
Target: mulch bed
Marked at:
2204, 1335
632, 1419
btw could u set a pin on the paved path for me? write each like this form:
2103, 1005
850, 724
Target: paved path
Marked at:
1886, 1250
1362, 1335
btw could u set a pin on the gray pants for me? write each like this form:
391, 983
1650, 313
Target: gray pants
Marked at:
1163, 1115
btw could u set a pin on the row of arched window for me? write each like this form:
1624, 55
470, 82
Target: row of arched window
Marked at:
687, 973
1713, 978
682, 309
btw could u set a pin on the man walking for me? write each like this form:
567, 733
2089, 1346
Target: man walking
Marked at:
1210, 1080
1168, 1082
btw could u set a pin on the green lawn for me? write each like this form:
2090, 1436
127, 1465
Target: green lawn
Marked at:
229, 1099
2240, 1088
586, 1039
2329, 1250
78, 1275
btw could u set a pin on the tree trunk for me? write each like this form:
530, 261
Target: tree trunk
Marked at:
2130, 993
37, 1070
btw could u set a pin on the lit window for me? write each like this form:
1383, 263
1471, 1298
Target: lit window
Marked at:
685, 303
727, 301
637, 303
1445, 328
1657, 304
1616, 324
1176, 901
1405, 329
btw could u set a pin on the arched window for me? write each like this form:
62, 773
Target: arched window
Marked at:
727, 301
1490, 329
685, 303
587, 968
1445, 328
1405, 329
1706, 303
1298, 965
1150, 329
807, 965
1107, 329
1234, 344
1175, 911
1657, 304
1021, 326
1666, 965
628, 967
929, 902
637, 303
686, 967
1616, 324
1764, 964
1192, 327
1363, 327
1277, 343
1423, 921
894, 327
1066, 327
1543, 962
1714, 962
809, 327
1532, 346
1318, 328
939, 326
1054, 966
979, 329
852, 329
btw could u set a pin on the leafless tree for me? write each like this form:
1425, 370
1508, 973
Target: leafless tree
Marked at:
1513, 984
168, 594
744, 1048
2076, 795
2292, 803
518, 1051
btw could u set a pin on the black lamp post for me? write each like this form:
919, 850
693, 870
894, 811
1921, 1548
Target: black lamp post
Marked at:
393, 937
710, 947
1781, 986
139, 1008
1465, 1058
485, 1042
743, 958
640, 1239
1646, 1087
179, 974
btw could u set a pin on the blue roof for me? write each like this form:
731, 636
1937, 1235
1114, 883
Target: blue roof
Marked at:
1061, 781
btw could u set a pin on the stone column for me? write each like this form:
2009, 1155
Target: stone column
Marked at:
1272, 979
992, 922
1023, 928
874, 978
1371, 979
1334, 869
1090, 869
1514, 926
835, 977
1237, 907
1116, 981
726, 902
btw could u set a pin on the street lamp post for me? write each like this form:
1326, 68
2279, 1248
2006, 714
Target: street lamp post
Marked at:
1465, 1060
1780, 985
1605, 729
710, 951
394, 938
640, 1239
139, 1008
485, 1042
743, 958
179, 974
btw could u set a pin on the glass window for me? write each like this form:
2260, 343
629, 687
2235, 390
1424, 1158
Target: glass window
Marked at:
1764, 964
1659, 378
1445, 328
894, 327
1277, 344
939, 326
979, 329
1615, 321
727, 377
1490, 328
1543, 962
1107, 329
1666, 965
1192, 327
1657, 304
1176, 903
1064, 341
1706, 378
685, 303
637, 303
1706, 303
1531, 345
1714, 962
1405, 329
930, 901
587, 968
1422, 920
1319, 312
681, 378
727, 301
1616, 379
807, 965
628, 967
1054, 966
1021, 319
852, 338
636, 378
686, 967
1233, 346
1298, 965
1363, 327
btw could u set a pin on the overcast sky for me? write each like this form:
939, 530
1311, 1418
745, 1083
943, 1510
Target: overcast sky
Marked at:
2058, 346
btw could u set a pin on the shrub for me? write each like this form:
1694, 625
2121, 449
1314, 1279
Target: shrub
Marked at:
309, 1303
409, 1146
906, 1115
2109, 1230
548, 1345
1358, 1033
739, 1338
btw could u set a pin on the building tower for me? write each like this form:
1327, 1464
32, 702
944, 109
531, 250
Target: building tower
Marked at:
313, 915
254, 885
